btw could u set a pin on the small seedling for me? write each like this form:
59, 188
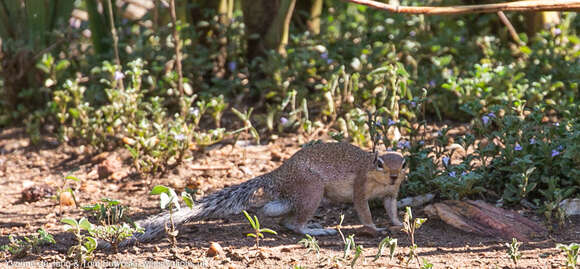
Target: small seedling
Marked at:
114, 227
109, 213
62, 199
83, 251
410, 225
388, 241
168, 199
514, 251
571, 254
115, 234
19, 248
357, 254
426, 264
258, 232
310, 243
349, 245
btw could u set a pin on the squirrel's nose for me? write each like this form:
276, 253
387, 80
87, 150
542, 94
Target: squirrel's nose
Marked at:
394, 177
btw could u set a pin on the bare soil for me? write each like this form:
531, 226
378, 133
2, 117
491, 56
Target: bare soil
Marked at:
23, 166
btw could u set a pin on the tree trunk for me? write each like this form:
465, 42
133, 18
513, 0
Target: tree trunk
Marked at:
267, 23
307, 15
536, 21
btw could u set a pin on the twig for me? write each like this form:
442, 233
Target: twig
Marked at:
509, 26
201, 168
177, 56
532, 5
115, 41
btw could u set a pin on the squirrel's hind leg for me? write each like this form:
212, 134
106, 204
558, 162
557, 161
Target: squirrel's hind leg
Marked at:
305, 204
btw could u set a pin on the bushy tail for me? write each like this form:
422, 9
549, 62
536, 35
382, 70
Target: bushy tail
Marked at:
226, 202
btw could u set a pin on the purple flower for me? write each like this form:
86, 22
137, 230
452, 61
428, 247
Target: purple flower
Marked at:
446, 160
532, 141
432, 83
421, 142
517, 147
452, 174
324, 55
413, 104
412, 33
404, 144
74, 22
329, 61
557, 31
491, 115
560, 148
556, 124
463, 173
391, 122
555, 153
283, 120
179, 137
485, 120
118, 75
232, 66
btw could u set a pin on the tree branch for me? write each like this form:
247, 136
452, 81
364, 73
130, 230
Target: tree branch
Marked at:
530, 5
510, 27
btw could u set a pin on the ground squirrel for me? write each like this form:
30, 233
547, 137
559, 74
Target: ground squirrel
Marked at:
339, 172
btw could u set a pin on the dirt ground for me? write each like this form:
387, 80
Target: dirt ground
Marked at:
23, 166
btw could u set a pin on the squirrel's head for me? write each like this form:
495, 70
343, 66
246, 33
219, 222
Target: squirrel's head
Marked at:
389, 168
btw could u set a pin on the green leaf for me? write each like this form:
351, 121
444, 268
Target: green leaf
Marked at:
159, 189
72, 178
187, 199
164, 200
85, 224
90, 244
257, 221
71, 222
251, 235
525, 50
266, 230
249, 219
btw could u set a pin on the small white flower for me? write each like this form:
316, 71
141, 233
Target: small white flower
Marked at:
356, 64
320, 48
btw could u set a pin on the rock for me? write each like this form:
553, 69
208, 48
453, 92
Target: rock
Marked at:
109, 166
66, 199
36, 192
415, 201
215, 250
571, 206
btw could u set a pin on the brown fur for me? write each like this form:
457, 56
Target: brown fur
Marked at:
339, 172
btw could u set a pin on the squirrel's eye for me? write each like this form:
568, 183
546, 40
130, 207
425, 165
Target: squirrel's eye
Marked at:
380, 164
